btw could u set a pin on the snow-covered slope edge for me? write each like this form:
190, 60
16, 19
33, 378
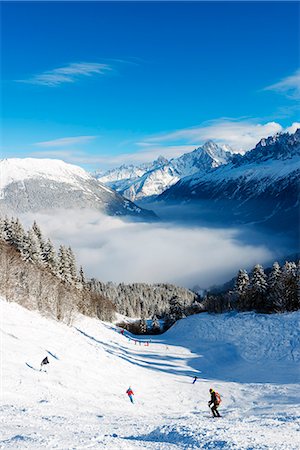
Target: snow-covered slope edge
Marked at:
80, 402
32, 185
247, 347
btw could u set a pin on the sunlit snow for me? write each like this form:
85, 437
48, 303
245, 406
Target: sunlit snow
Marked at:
80, 402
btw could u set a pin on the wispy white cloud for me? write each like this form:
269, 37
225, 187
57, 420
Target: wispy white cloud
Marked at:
67, 155
71, 156
241, 135
289, 86
85, 158
68, 74
66, 141
152, 151
285, 111
106, 161
293, 128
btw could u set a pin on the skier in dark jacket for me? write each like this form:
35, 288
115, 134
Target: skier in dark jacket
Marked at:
44, 362
195, 379
215, 402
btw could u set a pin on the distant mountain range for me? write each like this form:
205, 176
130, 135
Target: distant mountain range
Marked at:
151, 180
31, 185
260, 186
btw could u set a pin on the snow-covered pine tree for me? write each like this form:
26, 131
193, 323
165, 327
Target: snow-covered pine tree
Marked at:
258, 289
143, 326
81, 277
241, 290
7, 230
18, 234
2, 232
63, 265
176, 309
36, 229
50, 257
290, 285
155, 328
276, 297
31, 250
72, 265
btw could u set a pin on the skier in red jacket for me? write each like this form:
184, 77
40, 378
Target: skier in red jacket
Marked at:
130, 394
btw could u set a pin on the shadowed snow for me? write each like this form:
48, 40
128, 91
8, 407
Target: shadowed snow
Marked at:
81, 401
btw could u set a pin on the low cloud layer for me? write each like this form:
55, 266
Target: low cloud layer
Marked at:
240, 135
113, 250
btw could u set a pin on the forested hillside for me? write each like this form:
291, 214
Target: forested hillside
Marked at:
35, 276
146, 300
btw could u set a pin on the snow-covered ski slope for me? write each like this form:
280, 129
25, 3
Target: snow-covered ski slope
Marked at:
80, 403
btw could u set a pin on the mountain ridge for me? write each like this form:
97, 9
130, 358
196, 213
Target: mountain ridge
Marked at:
260, 186
149, 180
33, 184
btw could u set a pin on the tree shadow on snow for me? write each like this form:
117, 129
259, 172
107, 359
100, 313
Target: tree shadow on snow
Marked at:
141, 359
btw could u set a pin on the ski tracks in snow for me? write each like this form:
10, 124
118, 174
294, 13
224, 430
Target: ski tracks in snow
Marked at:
81, 402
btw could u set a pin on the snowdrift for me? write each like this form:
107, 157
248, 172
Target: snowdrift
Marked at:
243, 347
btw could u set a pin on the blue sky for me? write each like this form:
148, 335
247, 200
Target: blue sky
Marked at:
98, 84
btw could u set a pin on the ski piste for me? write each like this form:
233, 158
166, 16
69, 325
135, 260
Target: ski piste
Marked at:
81, 402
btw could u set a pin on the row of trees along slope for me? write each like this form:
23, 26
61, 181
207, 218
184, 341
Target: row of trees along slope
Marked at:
271, 291
275, 290
34, 275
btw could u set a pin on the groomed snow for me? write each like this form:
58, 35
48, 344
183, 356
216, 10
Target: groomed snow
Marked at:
81, 402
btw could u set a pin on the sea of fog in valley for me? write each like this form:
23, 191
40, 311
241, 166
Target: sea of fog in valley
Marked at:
178, 249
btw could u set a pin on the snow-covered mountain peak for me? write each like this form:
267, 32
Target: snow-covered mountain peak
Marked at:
151, 179
124, 172
210, 146
205, 157
32, 185
213, 147
161, 160
262, 185
129, 172
280, 138
281, 146
18, 169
